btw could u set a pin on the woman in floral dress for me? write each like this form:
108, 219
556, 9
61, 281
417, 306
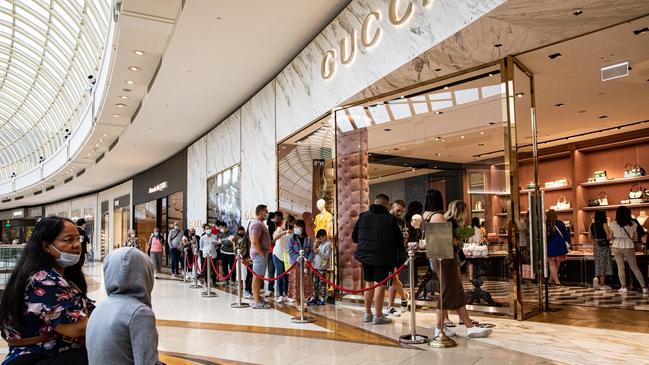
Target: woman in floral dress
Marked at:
296, 242
44, 310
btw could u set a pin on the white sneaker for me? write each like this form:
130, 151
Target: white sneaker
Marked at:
623, 290
291, 300
280, 299
393, 312
478, 332
247, 295
645, 290
368, 317
605, 287
447, 331
268, 294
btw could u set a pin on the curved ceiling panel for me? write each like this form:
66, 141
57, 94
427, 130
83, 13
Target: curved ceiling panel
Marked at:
48, 48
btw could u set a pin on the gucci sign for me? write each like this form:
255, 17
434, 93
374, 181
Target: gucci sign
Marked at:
160, 187
370, 34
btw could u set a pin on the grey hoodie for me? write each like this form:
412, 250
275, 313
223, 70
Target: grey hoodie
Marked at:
122, 329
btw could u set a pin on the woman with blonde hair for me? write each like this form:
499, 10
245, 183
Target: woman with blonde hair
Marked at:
558, 241
452, 291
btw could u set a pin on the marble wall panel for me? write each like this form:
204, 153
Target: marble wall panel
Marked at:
224, 145
302, 93
197, 183
258, 154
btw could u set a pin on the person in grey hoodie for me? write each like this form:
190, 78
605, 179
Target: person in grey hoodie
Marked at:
121, 331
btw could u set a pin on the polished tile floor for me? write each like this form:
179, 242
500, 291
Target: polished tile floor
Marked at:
196, 330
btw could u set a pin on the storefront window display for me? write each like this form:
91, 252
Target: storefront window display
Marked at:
223, 198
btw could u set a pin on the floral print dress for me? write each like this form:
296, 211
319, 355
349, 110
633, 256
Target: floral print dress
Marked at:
50, 300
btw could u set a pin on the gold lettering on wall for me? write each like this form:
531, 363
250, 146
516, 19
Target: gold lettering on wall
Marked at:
393, 10
328, 66
366, 41
347, 55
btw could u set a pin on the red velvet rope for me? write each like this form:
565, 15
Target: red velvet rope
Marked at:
218, 276
198, 267
355, 291
269, 279
188, 265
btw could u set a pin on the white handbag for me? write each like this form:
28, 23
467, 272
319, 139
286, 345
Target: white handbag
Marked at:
562, 203
603, 198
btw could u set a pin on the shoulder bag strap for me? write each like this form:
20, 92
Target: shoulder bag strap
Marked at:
627, 232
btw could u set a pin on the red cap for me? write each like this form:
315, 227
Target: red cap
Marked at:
215, 231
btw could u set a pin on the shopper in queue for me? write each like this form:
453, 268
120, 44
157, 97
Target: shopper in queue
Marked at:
227, 251
44, 309
379, 248
297, 242
558, 238
397, 209
598, 232
281, 248
132, 240
322, 263
122, 329
156, 250
175, 246
259, 248
623, 233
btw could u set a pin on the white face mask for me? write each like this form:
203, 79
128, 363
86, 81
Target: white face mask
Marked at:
297, 231
66, 259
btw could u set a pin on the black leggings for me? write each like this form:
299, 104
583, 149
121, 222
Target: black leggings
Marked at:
70, 357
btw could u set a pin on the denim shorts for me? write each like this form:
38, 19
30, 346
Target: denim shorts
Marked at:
259, 264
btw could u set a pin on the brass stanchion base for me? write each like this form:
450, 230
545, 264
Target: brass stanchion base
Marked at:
197, 286
418, 339
442, 342
302, 320
209, 294
239, 305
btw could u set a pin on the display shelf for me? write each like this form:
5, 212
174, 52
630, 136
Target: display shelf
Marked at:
556, 188
478, 211
501, 215
616, 181
503, 235
498, 193
569, 210
613, 207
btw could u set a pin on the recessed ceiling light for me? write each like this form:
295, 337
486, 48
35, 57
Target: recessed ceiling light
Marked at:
578, 12
130, 82
97, 145
88, 154
439, 112
461, 137
438, 154
395, 149
581, 111
492, 123
101, 140
438, 69
387, 129
445, 87
123, 97
603, 116
559, 105
554, 56
127, 90
520, 95
490, 74
120, 105
480, 144
105, 135
134, 68
386, 151
481, 132
283, 147
139, 52
116, 115
640, 31
498, 45
438, 138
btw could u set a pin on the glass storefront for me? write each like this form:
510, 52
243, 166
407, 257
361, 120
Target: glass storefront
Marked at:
224, 198
161, 213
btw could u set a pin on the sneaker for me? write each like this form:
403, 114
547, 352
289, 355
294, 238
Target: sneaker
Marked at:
261, 306
280, 299
404, 306
311, 301
645, 290
268, 294
394, 312
623, 290
321, 302
368, 317
291, 300
247, 295
447, 331
381, 320
605, 287
478, 332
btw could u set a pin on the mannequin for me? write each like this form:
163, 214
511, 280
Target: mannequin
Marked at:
324, 220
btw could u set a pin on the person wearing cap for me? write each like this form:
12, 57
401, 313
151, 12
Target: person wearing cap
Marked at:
132, 240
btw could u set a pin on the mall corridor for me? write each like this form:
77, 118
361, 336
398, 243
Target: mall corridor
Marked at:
324, 182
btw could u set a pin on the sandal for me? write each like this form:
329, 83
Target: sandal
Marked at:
475, 323
449, 323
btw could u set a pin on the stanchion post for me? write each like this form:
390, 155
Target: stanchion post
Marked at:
195, 285
302, 318
208, 279
239, 279
184, 266
413, 337
442, 341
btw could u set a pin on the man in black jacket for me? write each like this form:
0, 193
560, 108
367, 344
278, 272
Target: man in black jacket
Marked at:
379, 247
81, 227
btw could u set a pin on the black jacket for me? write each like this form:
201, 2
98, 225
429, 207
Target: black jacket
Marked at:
379, 241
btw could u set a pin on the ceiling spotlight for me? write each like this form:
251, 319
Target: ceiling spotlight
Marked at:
520, 95
134, 68
104, 135
603, 116
116, 115
640, 31
554, 56
559, 105
387, 129
127, 90
461, 137
490, 74
481, 144
445, 87
123, 97
492, 123
438, 69
581, 111
139, 52
130, 82
438, 138
88, 154
97, 145
482, 133
578, 12
120, 105
439, 112
438, 154
101, 140
498, 45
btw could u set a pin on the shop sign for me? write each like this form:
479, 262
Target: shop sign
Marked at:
160, 187
369, 35
18, 213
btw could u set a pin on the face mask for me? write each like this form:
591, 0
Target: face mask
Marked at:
132, 235
176, 227
156, 234
298, 231
66, 259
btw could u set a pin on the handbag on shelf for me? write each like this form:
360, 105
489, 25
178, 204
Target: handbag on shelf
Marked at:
633, 170
593, 202
492, 238
531, 185
603, 199
479, 205
636, 192
556, 183
562, 203
600, 175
